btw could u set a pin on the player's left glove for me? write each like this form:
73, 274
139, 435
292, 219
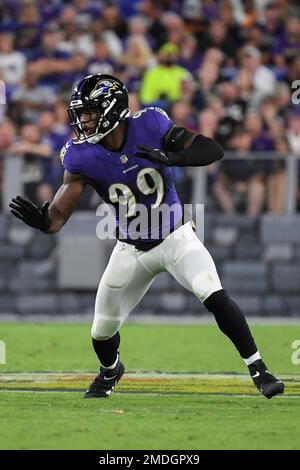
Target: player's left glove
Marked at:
156, 155
30, 214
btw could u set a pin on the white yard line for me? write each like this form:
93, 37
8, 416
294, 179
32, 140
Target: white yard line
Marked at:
159, 394
57, 376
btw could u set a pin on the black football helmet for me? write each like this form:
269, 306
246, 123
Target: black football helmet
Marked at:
103, 99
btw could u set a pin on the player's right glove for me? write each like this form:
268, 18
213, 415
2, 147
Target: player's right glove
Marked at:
156, 155
30, 214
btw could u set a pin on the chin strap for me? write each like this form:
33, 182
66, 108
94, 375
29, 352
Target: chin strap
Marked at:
97, 137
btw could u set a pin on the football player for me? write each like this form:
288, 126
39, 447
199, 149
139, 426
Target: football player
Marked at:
127, 160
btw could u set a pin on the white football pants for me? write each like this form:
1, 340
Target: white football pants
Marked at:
130, 273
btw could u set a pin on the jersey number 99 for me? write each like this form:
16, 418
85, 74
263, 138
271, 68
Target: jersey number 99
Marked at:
149, 181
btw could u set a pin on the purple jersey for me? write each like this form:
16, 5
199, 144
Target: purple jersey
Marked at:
126, 181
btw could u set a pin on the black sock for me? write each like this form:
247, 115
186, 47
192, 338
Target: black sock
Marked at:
232, 322
107, 350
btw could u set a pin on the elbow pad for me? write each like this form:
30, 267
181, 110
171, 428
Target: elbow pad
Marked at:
177, 138
203, 151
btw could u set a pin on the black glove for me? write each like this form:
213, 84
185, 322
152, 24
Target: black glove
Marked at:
155, 155
31, 214
203, 151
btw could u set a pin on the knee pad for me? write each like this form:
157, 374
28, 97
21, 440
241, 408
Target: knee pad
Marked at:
99, 338
102, 330
205, 284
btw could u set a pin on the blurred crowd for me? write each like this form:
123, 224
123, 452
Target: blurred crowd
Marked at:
223, 68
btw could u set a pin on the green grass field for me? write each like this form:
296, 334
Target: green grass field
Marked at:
185, 387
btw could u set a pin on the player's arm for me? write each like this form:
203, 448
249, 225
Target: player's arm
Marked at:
184, 148
50, 218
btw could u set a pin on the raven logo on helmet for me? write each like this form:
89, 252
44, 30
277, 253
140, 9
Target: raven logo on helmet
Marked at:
103, 87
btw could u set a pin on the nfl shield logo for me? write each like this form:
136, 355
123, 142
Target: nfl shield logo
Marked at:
124, 158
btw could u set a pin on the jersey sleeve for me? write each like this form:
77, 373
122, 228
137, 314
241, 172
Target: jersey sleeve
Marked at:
70, 158
162, 121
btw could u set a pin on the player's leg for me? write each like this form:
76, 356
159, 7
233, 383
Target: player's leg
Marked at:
256, 195
123, 284
191, 264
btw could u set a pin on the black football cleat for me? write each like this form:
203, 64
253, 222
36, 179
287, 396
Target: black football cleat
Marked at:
266, 383
105, 382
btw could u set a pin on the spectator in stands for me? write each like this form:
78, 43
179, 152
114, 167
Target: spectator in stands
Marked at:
53, 132
215, 104
37, 163
207, 77
255, 37
191, 10
241, 183
61, 117
113, 42
260, 139
162, 84
12, 62
245, 12
101, 61
189, 57
87, 9
293, 133
31, 98
78, 71
75, 37
213, 60
273, 123
112, 18
233, 109
134, 102
262, 78
287, 44
182, 115
49, 63
277, 179
29, 21
137, 58
218, 37
209, 9
7, 135
209, 71
175, 27
273, 26
293, 70
282, 98
245, 85
138, 27
236, 33
153, 11
208, 123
